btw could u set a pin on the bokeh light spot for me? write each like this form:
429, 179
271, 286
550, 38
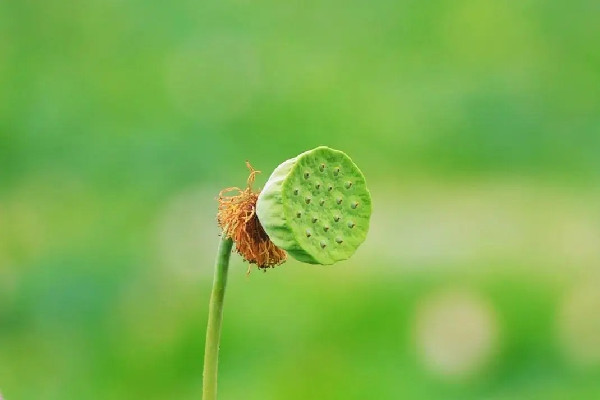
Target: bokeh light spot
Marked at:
456, 333
579, 324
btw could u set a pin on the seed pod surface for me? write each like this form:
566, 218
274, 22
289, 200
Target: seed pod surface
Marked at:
316, 206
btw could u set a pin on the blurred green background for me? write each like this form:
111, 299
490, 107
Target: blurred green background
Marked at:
476, 123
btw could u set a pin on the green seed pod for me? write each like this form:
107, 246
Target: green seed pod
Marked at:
316, 206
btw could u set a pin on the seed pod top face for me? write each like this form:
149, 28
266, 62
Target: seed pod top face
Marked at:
316, 206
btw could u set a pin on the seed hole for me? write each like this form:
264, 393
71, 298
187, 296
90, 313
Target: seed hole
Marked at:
323, 245
339, 240
314, 219
348, 185
336, 171
318, 186
321, 202
296, 192
307, 200
325, 228
306, 175
322, 167
298, 214
308, 234
339, 200
354, 205
330, 188
336, 218
351, 224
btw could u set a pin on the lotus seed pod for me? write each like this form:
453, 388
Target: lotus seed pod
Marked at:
316, 206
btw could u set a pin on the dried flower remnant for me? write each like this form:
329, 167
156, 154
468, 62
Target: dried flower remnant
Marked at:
237, 217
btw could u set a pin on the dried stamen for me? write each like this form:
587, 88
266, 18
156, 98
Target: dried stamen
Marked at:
237, 217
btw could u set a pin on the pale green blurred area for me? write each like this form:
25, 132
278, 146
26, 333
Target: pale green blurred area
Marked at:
477, 125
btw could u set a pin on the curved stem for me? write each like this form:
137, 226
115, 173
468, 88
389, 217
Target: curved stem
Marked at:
215, 317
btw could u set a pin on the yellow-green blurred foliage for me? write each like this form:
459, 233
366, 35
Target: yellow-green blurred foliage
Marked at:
476, 123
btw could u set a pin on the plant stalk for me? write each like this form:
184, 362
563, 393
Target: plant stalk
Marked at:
215, 318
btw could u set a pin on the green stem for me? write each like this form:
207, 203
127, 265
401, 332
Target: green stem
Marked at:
215, 317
